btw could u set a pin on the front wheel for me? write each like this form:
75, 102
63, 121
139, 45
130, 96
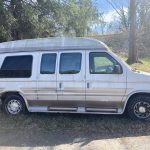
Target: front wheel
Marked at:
139, 108
14, 105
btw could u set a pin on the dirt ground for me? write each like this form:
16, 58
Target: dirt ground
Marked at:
38, 131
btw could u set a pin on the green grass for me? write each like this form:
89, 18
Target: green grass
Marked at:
143, 66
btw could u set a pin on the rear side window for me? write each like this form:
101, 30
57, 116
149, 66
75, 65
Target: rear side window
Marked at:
48, 64
70, 63
16, 67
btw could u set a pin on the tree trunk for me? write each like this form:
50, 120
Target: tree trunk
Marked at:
133, 53
16, 8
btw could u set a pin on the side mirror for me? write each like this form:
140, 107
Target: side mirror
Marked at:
117, 69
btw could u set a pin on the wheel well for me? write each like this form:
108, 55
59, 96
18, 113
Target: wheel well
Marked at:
137, 94
4, 95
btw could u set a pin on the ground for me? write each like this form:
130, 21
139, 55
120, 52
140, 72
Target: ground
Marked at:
73, 131
38, 131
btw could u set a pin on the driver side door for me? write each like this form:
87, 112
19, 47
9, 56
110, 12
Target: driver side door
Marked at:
104, 88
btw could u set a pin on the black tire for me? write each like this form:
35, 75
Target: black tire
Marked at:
18, 100
138, 108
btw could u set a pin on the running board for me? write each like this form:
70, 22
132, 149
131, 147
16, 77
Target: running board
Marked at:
71, 110
38, 109
100, 110
61, 109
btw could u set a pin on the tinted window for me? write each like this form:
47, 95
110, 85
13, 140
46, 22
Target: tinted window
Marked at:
16, 67
70, 63
48, 63
102, 63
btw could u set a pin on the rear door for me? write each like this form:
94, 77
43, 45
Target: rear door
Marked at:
71, 80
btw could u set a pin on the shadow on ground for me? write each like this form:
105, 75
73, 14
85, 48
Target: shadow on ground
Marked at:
38, 129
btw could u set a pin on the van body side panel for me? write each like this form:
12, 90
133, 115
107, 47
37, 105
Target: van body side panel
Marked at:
71, 87
104, 91
26, 86
47, 88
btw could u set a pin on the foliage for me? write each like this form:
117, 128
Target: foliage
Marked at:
79, 16
6, 21
41, 18
143, 15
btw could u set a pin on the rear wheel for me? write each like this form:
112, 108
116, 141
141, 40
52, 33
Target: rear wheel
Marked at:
139, 107
14, 105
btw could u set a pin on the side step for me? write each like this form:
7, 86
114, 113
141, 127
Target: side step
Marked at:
100, 110
38, 109
72, 110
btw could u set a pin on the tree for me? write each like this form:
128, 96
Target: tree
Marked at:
128, 23
79, 16
123, 14
26, 20
50, 17
143, 16
133, 54
6, 21
43, 18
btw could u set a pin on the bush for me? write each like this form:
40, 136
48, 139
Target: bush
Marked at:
4, 35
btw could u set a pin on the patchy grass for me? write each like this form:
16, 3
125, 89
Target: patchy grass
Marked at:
45, 130
144, 66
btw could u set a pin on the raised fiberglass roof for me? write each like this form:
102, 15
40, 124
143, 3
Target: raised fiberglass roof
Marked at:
50, 44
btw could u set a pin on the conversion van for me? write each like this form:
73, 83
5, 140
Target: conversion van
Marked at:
70, 75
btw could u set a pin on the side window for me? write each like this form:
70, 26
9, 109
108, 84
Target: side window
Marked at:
16, 67
70, 63
102, 63
48, 64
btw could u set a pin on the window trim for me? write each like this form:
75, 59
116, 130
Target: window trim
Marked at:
41, 63
80, 63
105, 73
32, 61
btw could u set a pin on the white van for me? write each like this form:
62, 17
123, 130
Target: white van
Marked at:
70, 75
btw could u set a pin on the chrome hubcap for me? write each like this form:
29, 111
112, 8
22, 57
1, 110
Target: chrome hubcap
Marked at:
14, 106
142, 110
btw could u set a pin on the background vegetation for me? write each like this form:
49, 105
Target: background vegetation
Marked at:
24, 19
43, 18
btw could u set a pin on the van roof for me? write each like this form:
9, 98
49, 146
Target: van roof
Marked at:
51, 44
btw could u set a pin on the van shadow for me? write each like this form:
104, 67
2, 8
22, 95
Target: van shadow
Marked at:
38, 129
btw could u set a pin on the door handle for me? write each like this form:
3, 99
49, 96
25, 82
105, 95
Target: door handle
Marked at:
60, 85
88, 85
